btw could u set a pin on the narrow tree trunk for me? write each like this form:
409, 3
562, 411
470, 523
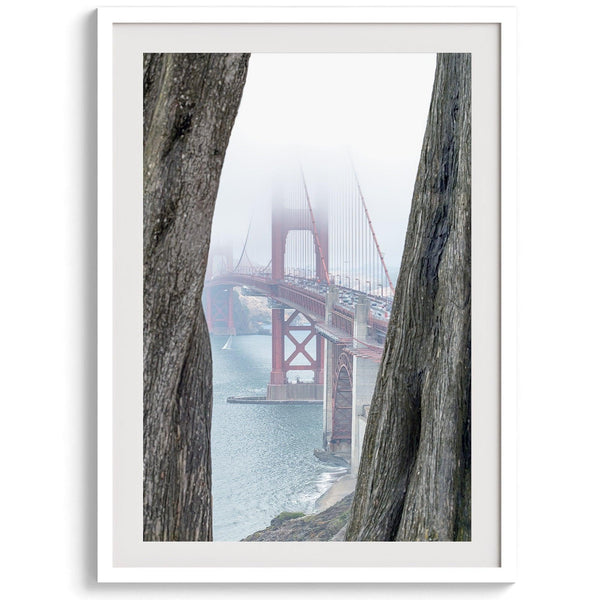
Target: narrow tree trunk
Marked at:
190, 105
414, 476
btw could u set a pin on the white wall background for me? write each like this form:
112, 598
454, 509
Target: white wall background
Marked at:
47, 212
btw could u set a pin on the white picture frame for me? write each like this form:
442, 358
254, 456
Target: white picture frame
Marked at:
113, 448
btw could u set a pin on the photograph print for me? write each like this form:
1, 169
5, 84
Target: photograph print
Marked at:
306, 297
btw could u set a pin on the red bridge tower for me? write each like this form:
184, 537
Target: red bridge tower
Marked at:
218, 300
296, 328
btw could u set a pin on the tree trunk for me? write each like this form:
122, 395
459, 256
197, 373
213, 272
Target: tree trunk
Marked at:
190, 105
414, 476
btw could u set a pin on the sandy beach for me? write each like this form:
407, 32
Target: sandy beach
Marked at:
340, 489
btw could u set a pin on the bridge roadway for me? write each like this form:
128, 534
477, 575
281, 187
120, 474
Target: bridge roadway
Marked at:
310, 298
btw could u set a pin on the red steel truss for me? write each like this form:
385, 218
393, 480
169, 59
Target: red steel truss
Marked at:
287, 328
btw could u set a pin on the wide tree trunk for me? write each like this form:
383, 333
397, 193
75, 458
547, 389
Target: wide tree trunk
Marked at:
190, 105
414, 477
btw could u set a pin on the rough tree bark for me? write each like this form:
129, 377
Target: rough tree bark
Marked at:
190, 105
415, 472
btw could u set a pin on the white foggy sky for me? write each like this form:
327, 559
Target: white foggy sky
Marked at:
316, 109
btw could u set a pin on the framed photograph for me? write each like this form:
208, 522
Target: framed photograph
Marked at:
306, 294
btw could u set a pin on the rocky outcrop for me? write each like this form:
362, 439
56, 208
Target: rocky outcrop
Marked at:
318, 527
251, 314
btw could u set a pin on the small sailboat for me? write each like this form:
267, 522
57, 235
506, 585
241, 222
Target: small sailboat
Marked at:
227, 345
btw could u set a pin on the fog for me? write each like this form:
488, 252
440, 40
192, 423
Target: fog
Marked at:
318, 111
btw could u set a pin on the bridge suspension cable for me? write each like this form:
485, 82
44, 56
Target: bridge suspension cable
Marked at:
347, 253
244, 249
364, 205
356, 260
314, 229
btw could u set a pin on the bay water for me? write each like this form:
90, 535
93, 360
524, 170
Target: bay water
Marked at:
262, 454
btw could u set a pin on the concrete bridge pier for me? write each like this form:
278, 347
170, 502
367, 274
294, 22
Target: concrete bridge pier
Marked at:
329, 366
349, 382
364, 376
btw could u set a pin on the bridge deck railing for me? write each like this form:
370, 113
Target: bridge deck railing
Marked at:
343, 319
311, 301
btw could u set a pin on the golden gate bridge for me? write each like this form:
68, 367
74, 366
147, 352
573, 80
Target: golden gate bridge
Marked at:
330, 294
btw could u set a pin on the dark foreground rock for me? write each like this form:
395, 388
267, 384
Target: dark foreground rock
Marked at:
318, 527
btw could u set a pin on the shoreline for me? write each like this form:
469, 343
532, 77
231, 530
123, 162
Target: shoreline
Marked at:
326, 525
338, 490
326, 522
